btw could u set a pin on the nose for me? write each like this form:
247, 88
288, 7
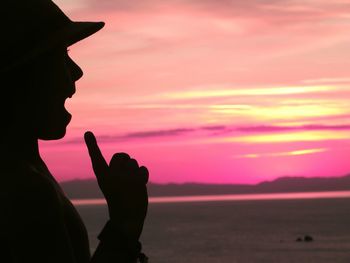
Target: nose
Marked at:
76, 71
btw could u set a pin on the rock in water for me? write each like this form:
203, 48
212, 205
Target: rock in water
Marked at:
308, 238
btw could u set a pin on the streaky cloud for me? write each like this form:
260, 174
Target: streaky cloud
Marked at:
214, 128
281, 154
158, 133
136, 135
213, 131
225, 91
319, 127
340, 80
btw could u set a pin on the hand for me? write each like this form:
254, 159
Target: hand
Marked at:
123, 184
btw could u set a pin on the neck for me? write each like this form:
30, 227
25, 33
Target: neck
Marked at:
23, 148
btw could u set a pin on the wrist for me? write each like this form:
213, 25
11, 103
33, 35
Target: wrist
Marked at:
114, 234
128, 227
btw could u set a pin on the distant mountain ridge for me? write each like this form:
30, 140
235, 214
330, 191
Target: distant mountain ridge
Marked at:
83, 189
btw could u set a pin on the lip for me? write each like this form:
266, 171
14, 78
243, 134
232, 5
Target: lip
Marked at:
68, 117
71, 91
70, 95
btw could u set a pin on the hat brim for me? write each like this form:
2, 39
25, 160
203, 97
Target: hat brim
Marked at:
69, 35
79, 30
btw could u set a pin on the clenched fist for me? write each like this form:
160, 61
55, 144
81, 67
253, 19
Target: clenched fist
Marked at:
123, 184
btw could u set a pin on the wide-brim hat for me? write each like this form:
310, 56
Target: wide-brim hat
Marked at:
34, 27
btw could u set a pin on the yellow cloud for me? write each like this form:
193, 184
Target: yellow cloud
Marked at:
307, 151
280, 112
291, 153
213, 91
289, 137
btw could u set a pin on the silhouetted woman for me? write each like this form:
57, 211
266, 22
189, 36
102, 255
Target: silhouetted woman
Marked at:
38, 223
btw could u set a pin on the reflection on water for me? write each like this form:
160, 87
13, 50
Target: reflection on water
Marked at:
239, 197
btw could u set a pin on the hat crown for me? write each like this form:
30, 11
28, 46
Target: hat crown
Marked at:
29, 23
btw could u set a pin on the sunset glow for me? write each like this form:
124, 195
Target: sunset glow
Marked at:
212, 91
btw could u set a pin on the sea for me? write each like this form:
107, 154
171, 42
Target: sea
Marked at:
239, 228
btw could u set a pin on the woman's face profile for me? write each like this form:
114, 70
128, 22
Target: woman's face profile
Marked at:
55, 77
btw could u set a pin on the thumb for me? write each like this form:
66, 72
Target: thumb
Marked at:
99, 163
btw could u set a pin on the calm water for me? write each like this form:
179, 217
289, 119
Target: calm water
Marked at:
240, 197
239, 228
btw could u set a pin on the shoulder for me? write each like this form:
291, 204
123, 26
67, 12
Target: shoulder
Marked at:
33, 224
28, 197
25, 181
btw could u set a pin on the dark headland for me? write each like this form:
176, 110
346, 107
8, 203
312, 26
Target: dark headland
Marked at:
83, 189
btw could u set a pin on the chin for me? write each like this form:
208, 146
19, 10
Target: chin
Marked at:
55, 128
54, 131
52, 135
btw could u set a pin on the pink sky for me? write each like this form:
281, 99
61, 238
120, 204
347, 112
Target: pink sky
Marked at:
212, 91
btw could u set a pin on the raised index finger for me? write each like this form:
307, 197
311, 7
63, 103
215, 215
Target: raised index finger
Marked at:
99, 163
